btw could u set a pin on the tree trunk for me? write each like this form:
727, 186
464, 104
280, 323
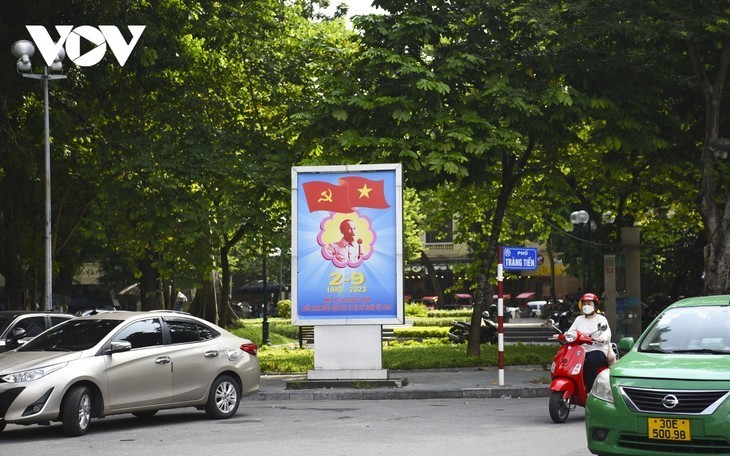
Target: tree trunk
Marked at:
207, 299
512, 166
717, 250
484, 292
435, 283
150, 294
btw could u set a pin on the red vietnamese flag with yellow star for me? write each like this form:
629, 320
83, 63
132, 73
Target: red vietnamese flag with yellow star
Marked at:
351, 192
364, 192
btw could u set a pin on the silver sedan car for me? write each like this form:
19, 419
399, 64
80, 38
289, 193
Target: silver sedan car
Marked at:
126, 362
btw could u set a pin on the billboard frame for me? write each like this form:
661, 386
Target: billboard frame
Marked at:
313, 263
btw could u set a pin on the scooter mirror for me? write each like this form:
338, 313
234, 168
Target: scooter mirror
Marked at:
602, 326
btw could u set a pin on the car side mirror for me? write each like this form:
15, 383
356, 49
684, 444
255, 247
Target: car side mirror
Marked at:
14, 340
625, 344
18, 333
118, 347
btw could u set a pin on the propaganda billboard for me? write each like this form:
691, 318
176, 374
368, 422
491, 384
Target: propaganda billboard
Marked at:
347, 250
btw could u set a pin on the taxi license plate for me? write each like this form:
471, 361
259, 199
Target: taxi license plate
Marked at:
669, 429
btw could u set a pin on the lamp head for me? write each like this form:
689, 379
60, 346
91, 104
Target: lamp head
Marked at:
23, 65
579, 217
23, 50
57, 65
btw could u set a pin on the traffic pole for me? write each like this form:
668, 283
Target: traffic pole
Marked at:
500, 317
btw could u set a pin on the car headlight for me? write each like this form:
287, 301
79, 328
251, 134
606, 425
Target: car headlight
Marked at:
32, 374
602, 386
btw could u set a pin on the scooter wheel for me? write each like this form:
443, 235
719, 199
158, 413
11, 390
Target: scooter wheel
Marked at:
458, 336
559, 407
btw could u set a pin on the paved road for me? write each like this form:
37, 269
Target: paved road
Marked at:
429, 427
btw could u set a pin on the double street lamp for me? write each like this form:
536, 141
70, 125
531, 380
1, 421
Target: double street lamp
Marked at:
23, 50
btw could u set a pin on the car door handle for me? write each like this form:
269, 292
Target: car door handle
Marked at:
162, 360
211, 354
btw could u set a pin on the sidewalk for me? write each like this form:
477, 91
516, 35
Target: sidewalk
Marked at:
461, 383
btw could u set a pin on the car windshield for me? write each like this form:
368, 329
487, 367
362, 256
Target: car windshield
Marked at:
72, 335
690, 330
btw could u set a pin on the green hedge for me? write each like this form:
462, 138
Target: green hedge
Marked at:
282, 329
422, 331
414, 355
436, 321
455, 314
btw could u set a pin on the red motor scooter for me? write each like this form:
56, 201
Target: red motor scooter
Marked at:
566, 373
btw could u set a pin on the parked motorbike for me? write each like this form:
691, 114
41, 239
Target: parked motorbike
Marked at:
563, 319
494, 314
459, 332
566, 372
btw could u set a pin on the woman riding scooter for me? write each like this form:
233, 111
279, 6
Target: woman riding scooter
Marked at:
599, 354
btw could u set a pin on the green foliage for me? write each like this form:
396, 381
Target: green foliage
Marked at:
279, 334
286, 359
416, 310
436, 321
427, 348
283, 308
413, 219
508, 114
413, 355
429, 356
455, 314
422, 332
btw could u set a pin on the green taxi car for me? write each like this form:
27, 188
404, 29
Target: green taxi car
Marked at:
670, 393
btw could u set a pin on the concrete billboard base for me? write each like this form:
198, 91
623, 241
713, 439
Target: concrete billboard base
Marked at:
351, 352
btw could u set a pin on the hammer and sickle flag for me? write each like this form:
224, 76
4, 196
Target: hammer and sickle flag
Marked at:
324, 196
351, 192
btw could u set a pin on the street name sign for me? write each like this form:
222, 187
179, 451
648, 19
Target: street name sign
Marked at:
519, 258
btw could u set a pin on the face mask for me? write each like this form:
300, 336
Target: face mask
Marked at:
588, 309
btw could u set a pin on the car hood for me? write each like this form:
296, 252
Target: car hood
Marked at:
18, 361
672, 366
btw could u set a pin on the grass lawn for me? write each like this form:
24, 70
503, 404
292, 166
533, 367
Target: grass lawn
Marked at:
284, 354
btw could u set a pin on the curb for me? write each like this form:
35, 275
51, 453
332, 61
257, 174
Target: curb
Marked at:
401, 394
524, 381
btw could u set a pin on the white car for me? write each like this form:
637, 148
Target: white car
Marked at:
536, 308
126, 362
19, 326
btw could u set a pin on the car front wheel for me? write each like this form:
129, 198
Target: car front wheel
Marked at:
76, 411
224, 398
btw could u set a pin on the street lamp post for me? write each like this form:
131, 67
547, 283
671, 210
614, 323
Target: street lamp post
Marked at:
23, 50
277, 253
265, 340
580, 220
265, 324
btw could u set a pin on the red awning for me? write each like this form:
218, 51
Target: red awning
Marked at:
506, 296
526, 295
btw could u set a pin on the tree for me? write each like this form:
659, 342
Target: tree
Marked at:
659, 70
464, 94
196, 136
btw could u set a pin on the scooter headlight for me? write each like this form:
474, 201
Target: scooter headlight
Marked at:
570, 336
602, 386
